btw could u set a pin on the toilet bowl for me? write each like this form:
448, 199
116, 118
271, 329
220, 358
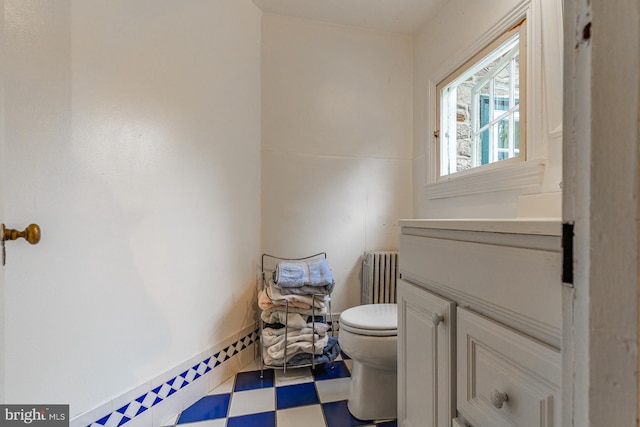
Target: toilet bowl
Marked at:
369, 336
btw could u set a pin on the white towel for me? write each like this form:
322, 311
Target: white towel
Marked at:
317, 328
293, 320
277, 315
266, 301
276, 357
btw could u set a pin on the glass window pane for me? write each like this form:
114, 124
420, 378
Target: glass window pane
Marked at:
502, 111
503, 133
483, 147
485, 90
516, 131
463, 125
501, 88
516, 79
463, 138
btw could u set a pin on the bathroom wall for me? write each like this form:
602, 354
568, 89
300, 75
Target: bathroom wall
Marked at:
336, 143
443, 43
133, 139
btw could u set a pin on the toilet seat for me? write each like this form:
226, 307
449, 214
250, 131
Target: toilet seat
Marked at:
375, 320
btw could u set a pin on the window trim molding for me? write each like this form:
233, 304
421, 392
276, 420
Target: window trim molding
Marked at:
503, 175
499, 176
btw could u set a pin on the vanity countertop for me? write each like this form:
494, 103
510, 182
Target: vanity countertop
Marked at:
535, 226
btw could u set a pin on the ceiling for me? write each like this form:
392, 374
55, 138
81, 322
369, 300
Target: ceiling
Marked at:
397, 16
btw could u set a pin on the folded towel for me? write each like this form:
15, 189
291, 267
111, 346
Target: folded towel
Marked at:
294, 274
265, 301
277, 314
274, 355
270, 339
279, 361
330, 352
306, 290
292, 320
308, 343
317, 301
317, 328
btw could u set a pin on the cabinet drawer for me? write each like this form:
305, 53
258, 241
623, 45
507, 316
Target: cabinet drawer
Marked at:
505, 378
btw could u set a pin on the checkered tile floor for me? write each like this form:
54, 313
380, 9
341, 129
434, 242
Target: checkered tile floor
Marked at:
302, 397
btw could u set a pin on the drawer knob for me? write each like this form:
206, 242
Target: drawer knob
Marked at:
436, 319
498, 398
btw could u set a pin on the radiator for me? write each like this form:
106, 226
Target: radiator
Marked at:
379, 277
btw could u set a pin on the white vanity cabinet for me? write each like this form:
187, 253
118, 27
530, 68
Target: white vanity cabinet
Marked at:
479, 326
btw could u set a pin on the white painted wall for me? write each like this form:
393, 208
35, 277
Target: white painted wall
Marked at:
336, 135
440, 47
133, 139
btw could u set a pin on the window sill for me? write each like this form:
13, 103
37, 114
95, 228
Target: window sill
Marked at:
511, 176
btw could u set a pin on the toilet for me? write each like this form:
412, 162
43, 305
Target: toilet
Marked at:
369, 336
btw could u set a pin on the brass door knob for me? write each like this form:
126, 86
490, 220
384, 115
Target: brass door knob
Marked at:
31, 234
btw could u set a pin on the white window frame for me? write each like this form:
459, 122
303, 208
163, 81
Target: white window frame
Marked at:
446, 96
506, 174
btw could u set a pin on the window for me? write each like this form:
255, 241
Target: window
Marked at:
480, 107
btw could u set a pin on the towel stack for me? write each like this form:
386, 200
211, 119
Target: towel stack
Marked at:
298, 291
304, 277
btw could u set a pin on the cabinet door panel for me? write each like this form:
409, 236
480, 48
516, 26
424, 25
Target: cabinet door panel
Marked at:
505, 378
426, 323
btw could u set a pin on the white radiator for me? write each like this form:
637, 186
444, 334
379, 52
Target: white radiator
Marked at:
379, 277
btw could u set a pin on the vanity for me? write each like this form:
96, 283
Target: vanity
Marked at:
479, 323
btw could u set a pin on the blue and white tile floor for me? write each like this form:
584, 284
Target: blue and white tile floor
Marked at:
301, 398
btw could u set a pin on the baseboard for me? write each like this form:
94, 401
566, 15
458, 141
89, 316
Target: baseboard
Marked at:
153, 402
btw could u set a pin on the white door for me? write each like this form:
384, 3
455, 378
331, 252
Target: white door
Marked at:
425, 329
2, 133
600, 202
35, 119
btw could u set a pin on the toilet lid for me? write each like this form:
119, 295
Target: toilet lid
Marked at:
371, 319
